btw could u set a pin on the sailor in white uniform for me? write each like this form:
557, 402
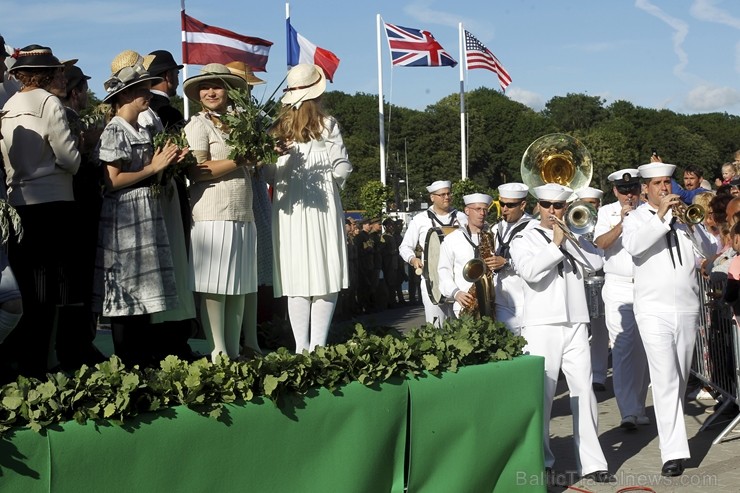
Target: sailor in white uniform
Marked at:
599, 334
508, 284
630, 377
461, 246
554, 321
666, 303
441, 213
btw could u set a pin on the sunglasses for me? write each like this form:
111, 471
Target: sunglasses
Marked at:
555, 205
509, 205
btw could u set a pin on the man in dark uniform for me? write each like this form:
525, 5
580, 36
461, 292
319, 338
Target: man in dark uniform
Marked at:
163, 65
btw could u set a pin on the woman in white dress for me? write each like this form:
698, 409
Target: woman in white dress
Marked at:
308, 236
223, 255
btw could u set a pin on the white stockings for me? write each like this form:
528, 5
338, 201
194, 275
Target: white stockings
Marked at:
310, 317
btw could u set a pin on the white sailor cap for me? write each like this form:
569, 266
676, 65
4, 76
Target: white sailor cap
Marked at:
438, 185
627, 176
477, 198
589, 193
656, 170
513, 190
553, 192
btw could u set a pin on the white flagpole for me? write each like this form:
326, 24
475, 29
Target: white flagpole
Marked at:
463, 147
186, 103
287, 35
381, 116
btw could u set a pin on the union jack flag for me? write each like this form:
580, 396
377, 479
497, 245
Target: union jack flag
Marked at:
416, 48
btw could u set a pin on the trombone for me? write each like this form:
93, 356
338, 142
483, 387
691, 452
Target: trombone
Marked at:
580, 219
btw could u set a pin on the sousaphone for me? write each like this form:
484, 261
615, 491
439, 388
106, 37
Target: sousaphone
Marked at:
557, 158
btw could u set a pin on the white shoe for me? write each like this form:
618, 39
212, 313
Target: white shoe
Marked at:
643, 420
629, 422
703, 395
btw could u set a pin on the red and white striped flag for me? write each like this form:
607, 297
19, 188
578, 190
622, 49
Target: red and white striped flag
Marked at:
478, 56
203, 44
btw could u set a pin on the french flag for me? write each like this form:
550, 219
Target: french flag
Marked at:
301, 50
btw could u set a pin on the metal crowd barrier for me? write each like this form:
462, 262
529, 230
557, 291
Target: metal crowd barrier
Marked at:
717, 352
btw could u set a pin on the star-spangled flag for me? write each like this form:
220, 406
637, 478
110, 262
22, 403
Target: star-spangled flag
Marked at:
203, 44
478, 56
301, 50
416, 48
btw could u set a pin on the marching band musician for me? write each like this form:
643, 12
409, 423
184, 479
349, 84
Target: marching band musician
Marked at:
629, 366
441, 213
459, 247
666, 303
599, 334
554, 321
508, 284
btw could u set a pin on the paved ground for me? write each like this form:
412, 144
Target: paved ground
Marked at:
633, 457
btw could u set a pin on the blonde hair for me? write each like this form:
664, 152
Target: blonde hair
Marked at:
300, 123
703, 199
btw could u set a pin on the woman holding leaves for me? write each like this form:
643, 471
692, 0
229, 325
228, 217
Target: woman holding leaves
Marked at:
223, 237
307, 215
134, 275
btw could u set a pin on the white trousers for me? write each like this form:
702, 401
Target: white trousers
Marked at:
434, 314
669, 346
630, 375
507, 316
566, 346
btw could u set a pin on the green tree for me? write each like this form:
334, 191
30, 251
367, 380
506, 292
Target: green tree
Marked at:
373, 197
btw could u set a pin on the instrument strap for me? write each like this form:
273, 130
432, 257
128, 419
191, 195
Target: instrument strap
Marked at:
565, 252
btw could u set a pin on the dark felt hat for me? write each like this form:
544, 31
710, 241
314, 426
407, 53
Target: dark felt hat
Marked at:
3, 51
35, 56
74, 76
161, 62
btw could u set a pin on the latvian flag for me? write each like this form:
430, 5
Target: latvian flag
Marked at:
203, 44
301, 50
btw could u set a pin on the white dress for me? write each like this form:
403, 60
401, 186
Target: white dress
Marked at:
309, 244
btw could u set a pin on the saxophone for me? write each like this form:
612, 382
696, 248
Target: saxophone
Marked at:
476, 271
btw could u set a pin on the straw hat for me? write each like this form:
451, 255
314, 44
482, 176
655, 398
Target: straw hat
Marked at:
245, 72
305, 81
127, 70
35, 56
212, 72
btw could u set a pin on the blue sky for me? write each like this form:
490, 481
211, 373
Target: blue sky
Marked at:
680, 55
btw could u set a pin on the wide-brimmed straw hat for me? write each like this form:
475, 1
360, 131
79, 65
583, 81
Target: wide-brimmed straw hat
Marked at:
35, 56
245, 72
305, 81
127, 70
212, 72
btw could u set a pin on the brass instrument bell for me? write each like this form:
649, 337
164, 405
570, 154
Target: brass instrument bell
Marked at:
557, 158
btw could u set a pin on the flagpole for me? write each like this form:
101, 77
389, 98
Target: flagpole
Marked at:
463, 147
186, 105
287, 34
381, 116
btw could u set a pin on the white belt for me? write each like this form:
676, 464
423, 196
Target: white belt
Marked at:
617, 278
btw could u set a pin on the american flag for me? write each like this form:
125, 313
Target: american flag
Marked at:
478, 56
416, 48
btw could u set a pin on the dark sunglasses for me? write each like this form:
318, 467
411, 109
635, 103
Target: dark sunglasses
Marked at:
625, 189
510, 205
555, 205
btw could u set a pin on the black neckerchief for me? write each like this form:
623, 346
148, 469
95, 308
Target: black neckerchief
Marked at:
434, 218
469, 238
564, 252
503, 246
670, 237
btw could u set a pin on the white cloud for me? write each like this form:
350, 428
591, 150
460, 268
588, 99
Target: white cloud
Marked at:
528, 98
706, 10
706, 98
680, 31
422, 11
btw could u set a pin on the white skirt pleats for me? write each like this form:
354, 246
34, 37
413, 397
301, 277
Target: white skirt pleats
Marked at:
223, 257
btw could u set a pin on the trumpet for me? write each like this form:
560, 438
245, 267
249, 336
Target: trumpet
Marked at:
689, 215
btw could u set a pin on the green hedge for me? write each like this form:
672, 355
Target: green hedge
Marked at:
113, 392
